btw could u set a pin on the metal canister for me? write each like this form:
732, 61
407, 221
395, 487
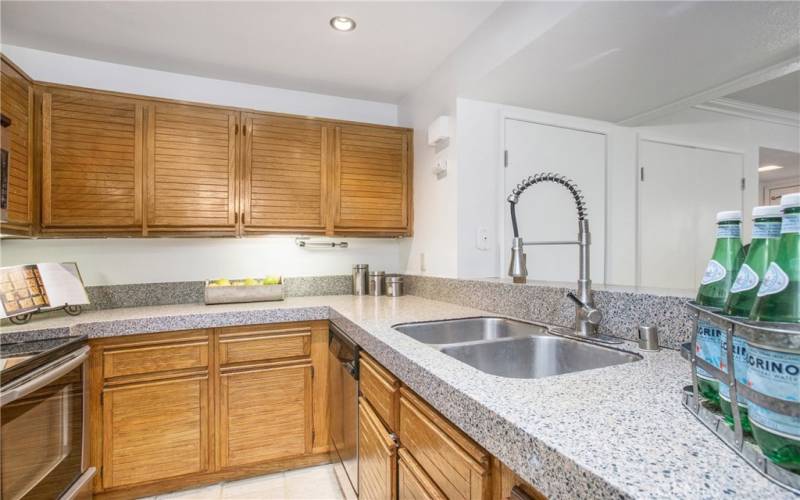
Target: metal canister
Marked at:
360, 276
375, 286
393, 284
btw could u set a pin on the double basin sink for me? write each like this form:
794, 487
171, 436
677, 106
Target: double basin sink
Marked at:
514, 349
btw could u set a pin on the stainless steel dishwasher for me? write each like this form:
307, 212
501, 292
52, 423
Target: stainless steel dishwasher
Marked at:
343, 408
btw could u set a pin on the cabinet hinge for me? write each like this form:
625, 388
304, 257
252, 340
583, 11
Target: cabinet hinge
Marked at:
641, 174
505, 158
744, 183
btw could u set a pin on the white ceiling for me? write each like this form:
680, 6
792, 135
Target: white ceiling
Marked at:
394, 48
616, 60
781, 93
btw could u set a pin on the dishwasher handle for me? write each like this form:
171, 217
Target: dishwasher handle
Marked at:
345, 350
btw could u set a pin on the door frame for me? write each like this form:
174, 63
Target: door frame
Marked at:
640, 138
576, 124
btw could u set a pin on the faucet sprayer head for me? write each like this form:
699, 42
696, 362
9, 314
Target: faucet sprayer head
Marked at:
517, 268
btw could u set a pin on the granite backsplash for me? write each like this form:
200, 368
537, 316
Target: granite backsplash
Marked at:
623, 310
191, 292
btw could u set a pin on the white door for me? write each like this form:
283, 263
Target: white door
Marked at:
683, 189
547, 211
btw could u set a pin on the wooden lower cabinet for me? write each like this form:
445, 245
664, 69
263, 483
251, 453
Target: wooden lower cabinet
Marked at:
458, 467
413, 482
155, 430
377, 456
177, 410
265, 414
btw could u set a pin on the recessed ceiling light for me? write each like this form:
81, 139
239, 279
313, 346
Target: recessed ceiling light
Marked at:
343, 23
769, 168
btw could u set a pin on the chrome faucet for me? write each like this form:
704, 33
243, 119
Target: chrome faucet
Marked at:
586, 316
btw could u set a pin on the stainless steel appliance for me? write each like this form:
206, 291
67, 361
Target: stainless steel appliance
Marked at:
43, 442
343, 409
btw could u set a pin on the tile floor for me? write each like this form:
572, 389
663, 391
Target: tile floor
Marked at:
312, 483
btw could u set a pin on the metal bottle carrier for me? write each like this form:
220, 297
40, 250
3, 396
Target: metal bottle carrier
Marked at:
779, 336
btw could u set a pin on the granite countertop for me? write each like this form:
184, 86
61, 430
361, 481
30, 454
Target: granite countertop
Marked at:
616, 432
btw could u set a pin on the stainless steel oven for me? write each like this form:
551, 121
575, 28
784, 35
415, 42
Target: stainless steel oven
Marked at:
43, 445
343, 410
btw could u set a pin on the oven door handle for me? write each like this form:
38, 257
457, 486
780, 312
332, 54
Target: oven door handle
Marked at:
48, 376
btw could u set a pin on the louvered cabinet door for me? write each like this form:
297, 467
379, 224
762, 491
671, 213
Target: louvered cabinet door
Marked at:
286, 170
373, 180
191, 168
91, 162
16, 104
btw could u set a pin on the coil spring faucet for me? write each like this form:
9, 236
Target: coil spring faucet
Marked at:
586, 316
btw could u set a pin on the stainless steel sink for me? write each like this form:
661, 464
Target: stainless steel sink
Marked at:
468, 330
538, 356
514, 349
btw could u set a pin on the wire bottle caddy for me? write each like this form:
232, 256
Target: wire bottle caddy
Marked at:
774, 337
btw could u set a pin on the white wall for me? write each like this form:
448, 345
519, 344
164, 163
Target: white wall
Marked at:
116, 261
437, 205
59, 68
482, 203
138, 260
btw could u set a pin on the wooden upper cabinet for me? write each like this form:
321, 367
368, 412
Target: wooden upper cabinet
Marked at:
372, 178
16, 104
285, 185
91, 162
191, 168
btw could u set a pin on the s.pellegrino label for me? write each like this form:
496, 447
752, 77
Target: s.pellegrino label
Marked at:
775, 280
747, 279
729, 231
707, 346
775, 374
791, 223
766, 230
714, 272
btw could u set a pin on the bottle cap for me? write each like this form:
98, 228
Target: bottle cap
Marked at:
730, 215
790, 201
766, 211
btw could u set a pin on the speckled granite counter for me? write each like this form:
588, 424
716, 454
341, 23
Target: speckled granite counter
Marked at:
616, 432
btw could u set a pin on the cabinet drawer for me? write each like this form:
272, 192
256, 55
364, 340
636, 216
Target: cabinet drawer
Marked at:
141, 358
381, 389
412, 481
458, 467
264, 344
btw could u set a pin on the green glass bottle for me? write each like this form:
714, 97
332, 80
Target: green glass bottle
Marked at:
714, 290
771, 371
778, 298
763, 246
725, 261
